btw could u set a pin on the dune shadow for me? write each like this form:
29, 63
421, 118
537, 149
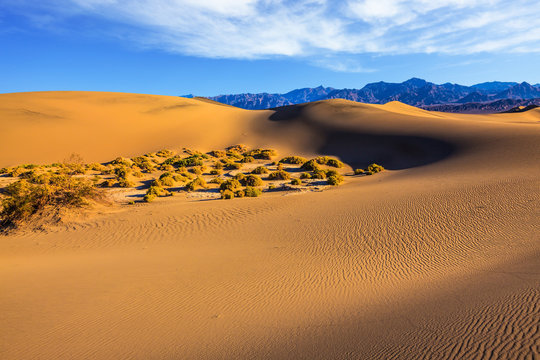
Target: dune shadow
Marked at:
360, 147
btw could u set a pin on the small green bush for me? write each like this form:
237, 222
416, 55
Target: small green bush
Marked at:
375, 168
149, 197
216, 180
233, 166
239, 193
326, 160
251, 191
305, 175
164, 153
167, 180
310, 165
296, 182
293, 160
239, 177
248, 159
196, 183
319, 174
252, 180
231, 184
227, 194
218, 153
218, 165
265, 154
359, 171
279, 175
334, 179
4, 171
260, 170
25, 200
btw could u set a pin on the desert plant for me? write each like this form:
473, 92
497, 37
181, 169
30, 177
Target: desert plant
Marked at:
375, 168
218, 165
293, 160
279, 175
164, 153
149, 197
25, 200
196, 183
216, 172
218, 153
233, 166
239, 177
231, 184
318, 174
296, 182
239, 193
310, 165
252, 180
326, 160
334, 179
305, 175
359, 171
251, 191
227, 194
167, 179
260, 170
248, 159
265, 154
216, 180
196, 170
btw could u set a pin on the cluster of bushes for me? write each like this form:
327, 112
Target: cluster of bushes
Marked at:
370, 170
24, 199
249, 191
293, 160
333, 178
196, 183
279, 175
264, 154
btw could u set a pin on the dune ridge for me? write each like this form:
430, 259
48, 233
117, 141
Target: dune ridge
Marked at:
436, 258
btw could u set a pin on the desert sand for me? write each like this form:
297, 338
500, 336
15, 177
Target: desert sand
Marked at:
436, 258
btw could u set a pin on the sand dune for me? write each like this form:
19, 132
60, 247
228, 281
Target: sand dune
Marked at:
437, 258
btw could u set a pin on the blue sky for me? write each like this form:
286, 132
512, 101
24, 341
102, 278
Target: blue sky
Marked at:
211, 47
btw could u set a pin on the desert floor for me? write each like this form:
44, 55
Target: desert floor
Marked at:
437, 258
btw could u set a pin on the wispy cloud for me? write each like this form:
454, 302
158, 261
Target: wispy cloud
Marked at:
251, 29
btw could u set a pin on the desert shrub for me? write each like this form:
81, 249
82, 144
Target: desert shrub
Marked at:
318, 174
374, 168
234, 155
192, 160
248, 159
310, 165
137, 174
25, 200
331, 173
326, 160
149, 197
218, 153
252, 180
122, 162
280, 166
196, 183
27, 174
196, 170
233, 166
121, 172
144, 164
279, 175
334, 179
107, 183
216, 180
4, 171
359, 171
238, 148
368, 172
293, 160
125, 183
251, 191
218, 165
41, 178
216, 172
265, 154
271, 187
239, 177
260, 170
164, 153
166, 167
296, 182
239, 193
95, 167
231, 184
227, 194
167, 179
186, 175
305, 175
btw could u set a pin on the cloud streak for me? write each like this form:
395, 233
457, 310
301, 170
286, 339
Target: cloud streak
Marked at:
254, 29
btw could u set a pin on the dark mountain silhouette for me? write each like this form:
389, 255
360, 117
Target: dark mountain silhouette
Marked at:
416, 92
504, 105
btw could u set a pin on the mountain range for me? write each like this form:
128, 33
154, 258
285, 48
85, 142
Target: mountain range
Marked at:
416, 92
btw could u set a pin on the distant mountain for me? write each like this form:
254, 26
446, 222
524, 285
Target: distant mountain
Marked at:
504, 105
416, 92
494, 87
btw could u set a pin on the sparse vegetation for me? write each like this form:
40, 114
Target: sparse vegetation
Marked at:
279, 175
260, 170
196, 183
251, 191
252, 180
227, 194
24, 200
296, 182
293, 160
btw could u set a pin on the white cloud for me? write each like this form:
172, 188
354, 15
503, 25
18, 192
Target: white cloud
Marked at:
265, 28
